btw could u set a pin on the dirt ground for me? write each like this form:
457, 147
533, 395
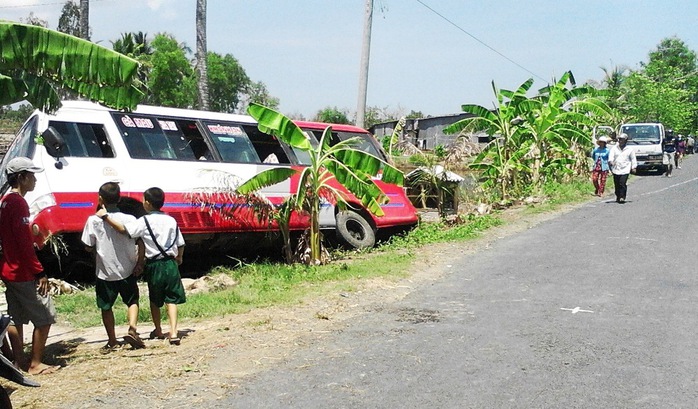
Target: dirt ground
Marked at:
217, 353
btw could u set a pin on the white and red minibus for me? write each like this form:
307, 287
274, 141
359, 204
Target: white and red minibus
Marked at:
176, 150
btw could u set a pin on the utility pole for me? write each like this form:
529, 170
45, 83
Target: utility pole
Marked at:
363, 72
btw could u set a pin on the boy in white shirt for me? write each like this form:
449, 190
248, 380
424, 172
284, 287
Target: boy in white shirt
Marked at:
117, 265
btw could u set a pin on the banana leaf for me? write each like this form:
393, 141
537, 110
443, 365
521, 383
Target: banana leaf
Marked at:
277, 124
11, 90
369, 164
264, 179
95, 72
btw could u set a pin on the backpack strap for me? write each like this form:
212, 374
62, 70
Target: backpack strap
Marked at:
152, 235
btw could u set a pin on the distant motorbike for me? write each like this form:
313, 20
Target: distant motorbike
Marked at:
8, 370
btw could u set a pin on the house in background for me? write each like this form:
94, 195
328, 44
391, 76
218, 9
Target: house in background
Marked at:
426, 133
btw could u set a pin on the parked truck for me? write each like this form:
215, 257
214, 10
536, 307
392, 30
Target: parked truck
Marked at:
646, 140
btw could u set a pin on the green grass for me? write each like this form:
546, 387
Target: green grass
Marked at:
559, 194
265, 284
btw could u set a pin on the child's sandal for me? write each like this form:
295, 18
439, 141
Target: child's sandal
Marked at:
174, 341
154, 335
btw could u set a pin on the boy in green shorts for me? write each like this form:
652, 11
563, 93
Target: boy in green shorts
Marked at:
164, 249
117, 264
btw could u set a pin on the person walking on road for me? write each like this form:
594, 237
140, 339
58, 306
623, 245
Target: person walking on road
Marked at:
623, 162
599, 172
680, 151
669, 155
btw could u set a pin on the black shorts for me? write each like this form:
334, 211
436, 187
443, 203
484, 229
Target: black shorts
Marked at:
107, 292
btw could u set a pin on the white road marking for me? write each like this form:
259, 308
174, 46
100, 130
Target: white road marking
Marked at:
576, 310
628, 238
669, 187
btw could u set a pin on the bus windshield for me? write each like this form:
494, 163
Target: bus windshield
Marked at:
361, 141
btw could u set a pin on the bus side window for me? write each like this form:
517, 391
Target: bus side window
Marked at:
158, 145
268, 148
96, 141
195, 141
84, 140
135, 144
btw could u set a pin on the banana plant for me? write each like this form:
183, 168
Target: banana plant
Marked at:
35, 60
352, 168
556, 120
501, 159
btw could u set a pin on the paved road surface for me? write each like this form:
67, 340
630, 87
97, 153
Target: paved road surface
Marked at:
594, 309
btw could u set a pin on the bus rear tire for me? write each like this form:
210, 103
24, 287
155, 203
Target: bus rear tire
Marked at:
353, 230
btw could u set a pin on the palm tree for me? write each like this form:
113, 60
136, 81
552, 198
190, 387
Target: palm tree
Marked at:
351, 167
34, 61
134, 45
201, 54
85, 19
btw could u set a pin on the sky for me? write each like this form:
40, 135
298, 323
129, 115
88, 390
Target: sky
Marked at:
430, 56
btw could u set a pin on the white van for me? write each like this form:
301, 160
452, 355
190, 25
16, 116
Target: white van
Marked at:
174, 149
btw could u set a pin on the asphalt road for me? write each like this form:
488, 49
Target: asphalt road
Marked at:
594, 309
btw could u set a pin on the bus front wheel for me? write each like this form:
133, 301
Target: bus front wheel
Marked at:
354, 230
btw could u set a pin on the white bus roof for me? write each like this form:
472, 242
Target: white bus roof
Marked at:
164, 111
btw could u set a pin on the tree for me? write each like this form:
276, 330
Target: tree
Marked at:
227, 81
34, 20
352, 168
672, 52
34, 60
332, 115
134, 45
202, 55
615, 92
172, 81
258, 93
664, 101
69, 21
415, 115
669, 79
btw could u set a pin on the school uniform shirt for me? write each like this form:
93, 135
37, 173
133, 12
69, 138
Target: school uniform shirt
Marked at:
116, 253
19, 260
164, 229
622, 160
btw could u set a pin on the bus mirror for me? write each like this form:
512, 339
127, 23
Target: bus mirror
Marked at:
53, 142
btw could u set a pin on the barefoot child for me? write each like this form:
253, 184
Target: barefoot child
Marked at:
117, 265
164, 248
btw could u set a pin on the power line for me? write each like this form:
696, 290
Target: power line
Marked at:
53, 3
480, 41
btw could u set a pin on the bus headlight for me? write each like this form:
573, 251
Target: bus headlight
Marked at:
41, 203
